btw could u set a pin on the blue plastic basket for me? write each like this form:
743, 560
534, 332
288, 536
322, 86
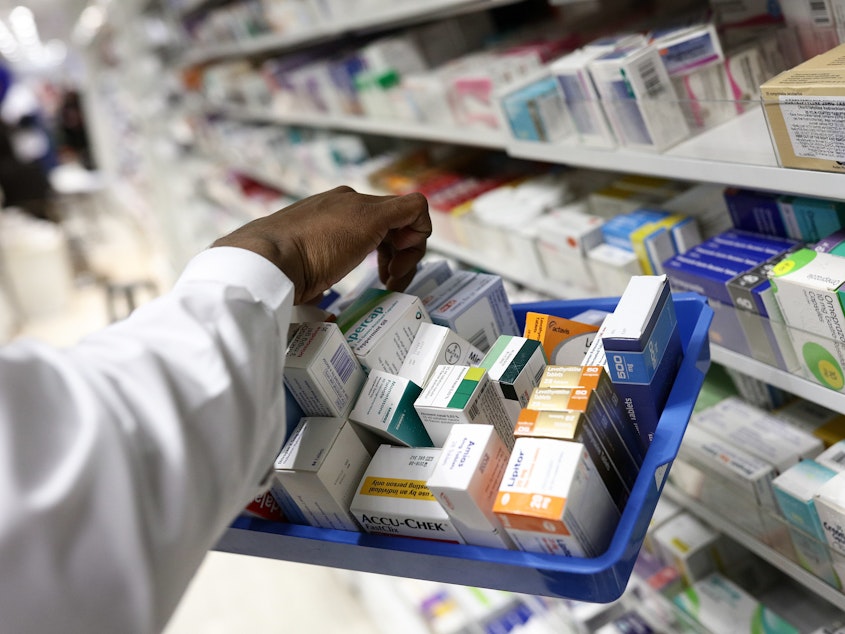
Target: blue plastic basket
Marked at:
600, 579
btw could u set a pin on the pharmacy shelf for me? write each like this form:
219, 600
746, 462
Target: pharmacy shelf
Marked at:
744, 139
779, 378
737, 152
397, 14
485, 138
720, 522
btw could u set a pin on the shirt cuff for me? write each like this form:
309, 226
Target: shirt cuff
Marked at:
241, 267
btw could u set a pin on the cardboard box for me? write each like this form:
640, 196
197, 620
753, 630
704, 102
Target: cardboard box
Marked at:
758, 432
392, 497
814, 557
380, 327
429, 276
535, 110
806, 287
564, 237
436, 345
833, 457
321, 372
811, 219
830, 506
795, 490
614, 267
551, 500
479, 310
643, 348
466, 480
386, 407
564, 341
652, 120
721, 606
319, 469
688, 545
804, 108
459, 395
514, 365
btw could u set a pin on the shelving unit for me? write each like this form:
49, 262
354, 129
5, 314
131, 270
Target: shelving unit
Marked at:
400, 14
722, 523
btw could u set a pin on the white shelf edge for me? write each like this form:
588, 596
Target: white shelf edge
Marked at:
779, 378
490, 139
668, 165
789, 567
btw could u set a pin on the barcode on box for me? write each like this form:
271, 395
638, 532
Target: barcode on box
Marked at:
480, 340
343, 363
473, 411
820, 13
651, 78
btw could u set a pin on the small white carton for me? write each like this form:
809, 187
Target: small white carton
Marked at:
613, 267
807, 291
833, 457
758, 432
321, 372
689, 545
564, 238
429, 276
386, 407
393, 498
466, 480
795, 491
514, 365
319, 469
380, 327
830, 506
437, 345
479, 311
457, 395
552, 500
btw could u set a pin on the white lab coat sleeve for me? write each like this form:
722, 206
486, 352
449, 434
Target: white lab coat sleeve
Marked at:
123, 458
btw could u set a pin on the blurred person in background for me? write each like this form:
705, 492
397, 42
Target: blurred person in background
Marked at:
125, 457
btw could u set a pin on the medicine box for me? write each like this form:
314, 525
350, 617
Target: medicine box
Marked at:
750, 474
795, 489
814, 557
386, 407
807, 290
459, 395
652, 119
686, 50
746, 71
564, 341
614, 267
436, 345
830, 506
658, 241
608, 431
822, 358
704, 274
720, 605
833, 457
688, 545
596, 378
564, 237
514, 365
642, 345
575, 427
765, 244
665, 510
617, 231
551, 500
535, 110
811, 219
380, 327
758, 432
466, 480
319, 469
612, 201
582, 99
392, 497
479, 311
321, 372
803, 109
429, 276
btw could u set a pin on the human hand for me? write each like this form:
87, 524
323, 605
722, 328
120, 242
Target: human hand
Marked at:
318, 240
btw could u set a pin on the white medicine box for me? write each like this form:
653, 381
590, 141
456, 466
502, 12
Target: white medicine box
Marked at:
386, 407
319, 469
321, 372
436, 345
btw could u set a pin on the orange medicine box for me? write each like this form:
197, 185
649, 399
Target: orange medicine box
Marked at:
596, 378
551, 500
565, 341
586, 401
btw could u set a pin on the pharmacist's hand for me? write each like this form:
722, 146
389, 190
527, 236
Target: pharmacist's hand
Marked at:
318, 240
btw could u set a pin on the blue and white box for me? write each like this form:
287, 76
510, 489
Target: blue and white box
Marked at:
535, 110
795, 490
643, 347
